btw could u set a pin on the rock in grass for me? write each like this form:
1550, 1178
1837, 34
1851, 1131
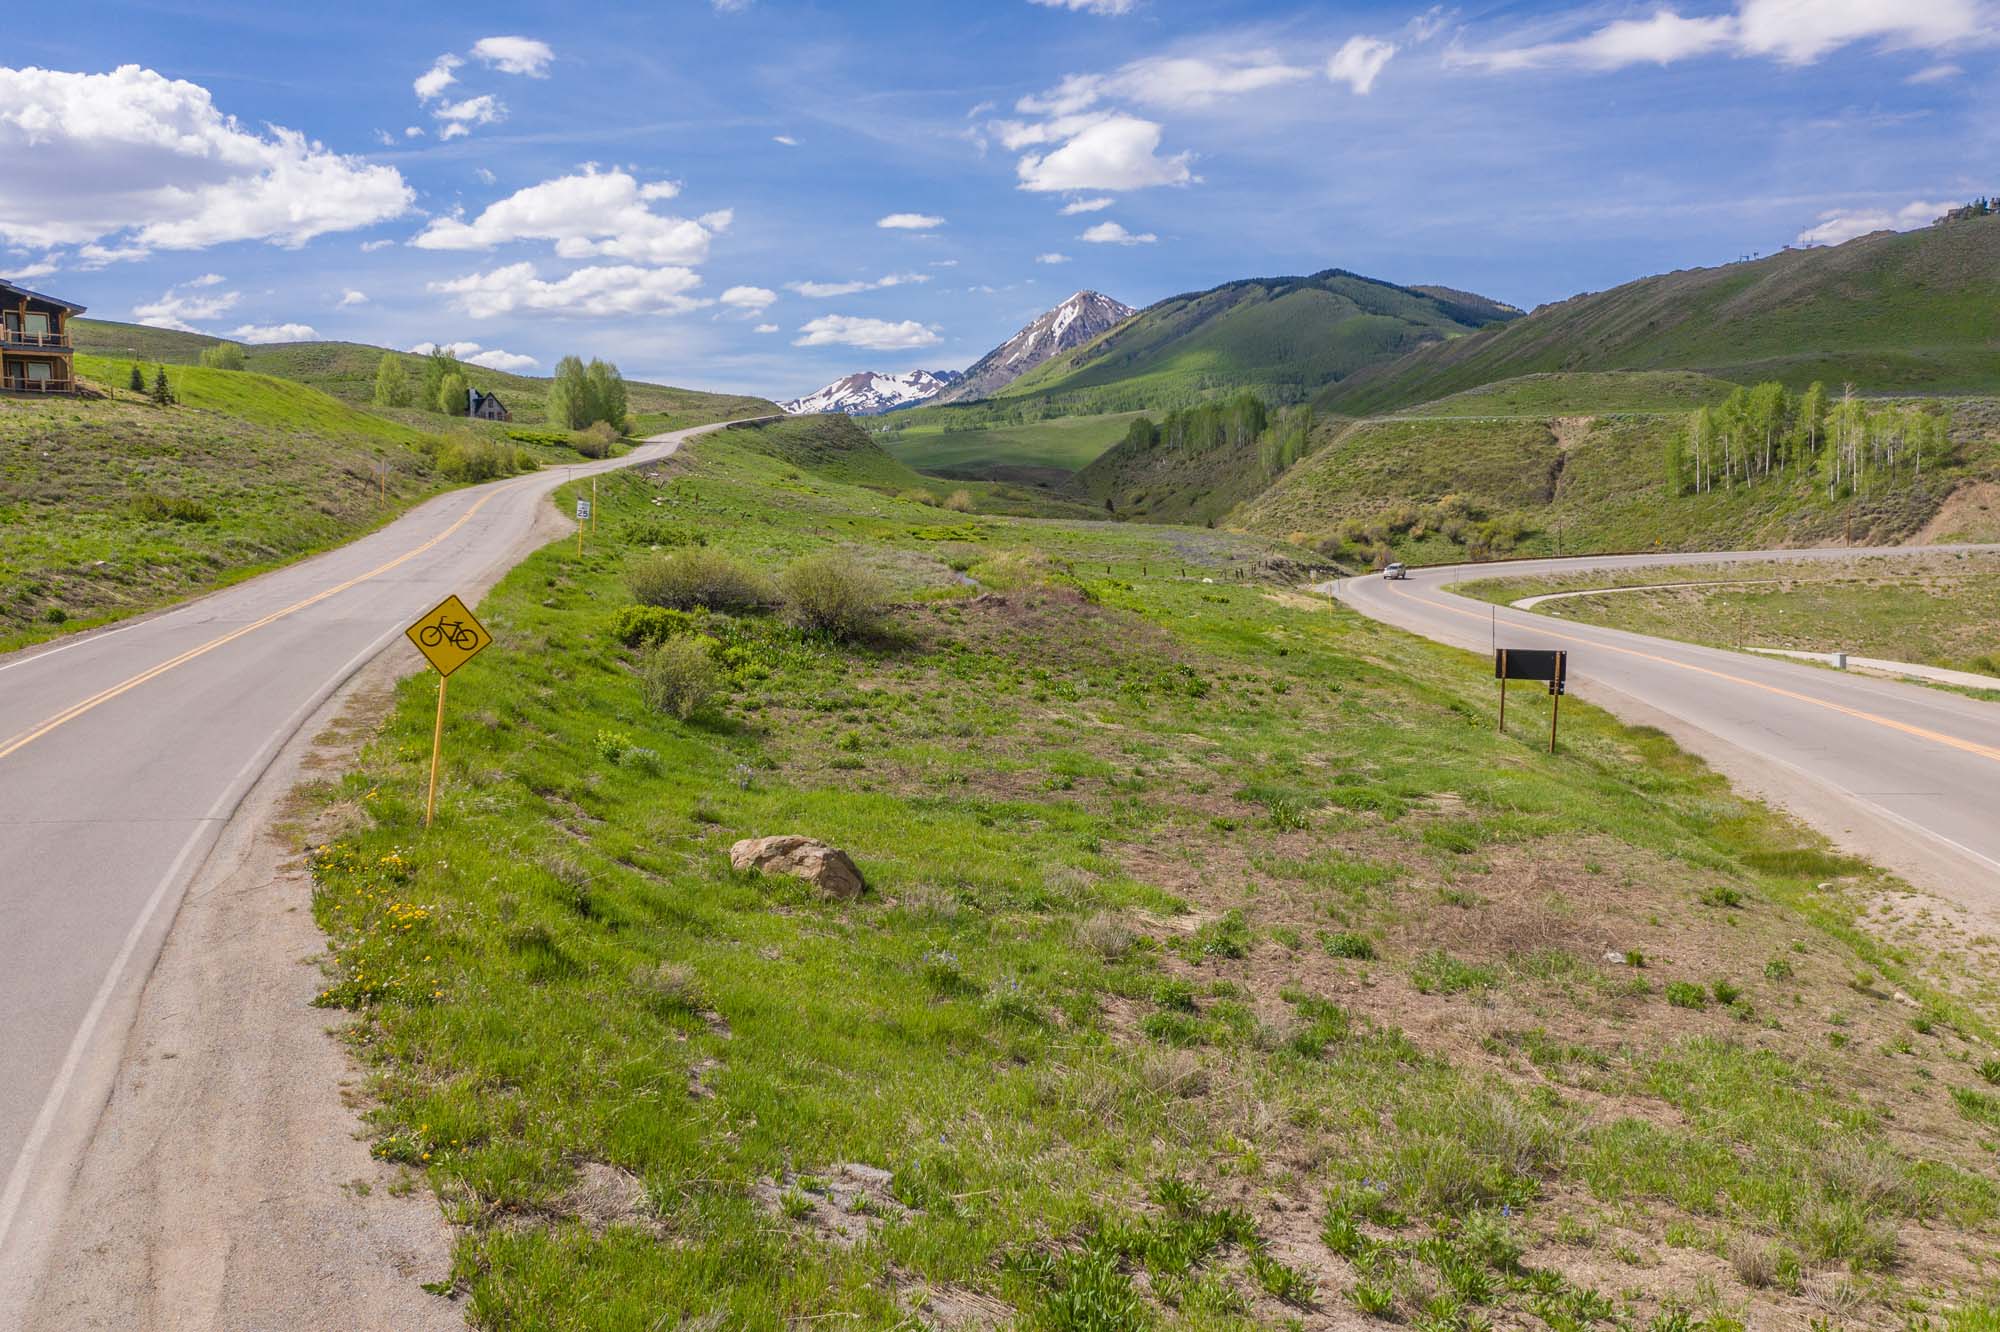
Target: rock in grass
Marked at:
826, 867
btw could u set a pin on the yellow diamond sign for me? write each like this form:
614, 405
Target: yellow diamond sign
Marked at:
448, 636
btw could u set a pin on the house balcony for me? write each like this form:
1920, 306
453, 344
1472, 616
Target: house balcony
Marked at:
15, 337
13, 383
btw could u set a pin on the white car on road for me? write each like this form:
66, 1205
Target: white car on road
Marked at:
1397, 570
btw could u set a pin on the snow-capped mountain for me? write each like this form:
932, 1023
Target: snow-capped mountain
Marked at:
1076, 321
871, 394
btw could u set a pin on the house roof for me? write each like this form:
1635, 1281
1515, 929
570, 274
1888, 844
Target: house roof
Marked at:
13, 290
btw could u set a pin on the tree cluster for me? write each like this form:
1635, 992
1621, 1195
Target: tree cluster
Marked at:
223, 356
582, 395
1236, 422
1767, 431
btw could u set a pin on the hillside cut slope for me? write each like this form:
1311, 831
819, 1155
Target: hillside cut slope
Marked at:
1892, 312
1283, 338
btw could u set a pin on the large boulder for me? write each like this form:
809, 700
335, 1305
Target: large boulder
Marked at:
827, 868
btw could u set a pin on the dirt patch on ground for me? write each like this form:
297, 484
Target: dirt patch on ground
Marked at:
843, 1205
1971, 513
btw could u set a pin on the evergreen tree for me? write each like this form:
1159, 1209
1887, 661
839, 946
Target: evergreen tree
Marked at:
569, 396
138, 382
392, 382
163, 393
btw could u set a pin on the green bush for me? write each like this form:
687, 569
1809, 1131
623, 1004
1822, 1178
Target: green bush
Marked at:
472, 458
694, 576
595, 440
679, 677
830, 594
641, 626
155, 508
1685, 994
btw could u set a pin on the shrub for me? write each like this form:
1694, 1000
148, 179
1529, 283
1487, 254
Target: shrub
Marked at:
1348, 944
472, 458
1438, 972
595, 440
156, 508
959, 501
640, 626
1106, 935
1685, 994
695, 576
829, 594
680, 676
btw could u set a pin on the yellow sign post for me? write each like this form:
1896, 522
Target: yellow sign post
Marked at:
449, 636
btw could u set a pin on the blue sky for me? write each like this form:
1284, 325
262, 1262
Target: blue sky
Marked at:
763, 195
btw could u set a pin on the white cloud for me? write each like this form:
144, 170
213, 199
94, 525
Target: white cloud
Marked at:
1097, 205
1051, 258
495, 359
152, 160
785, 139
596, 292
765, 328
1112, 7
597, 213
433, 81
822, 290
1111, 233
1794, 32
370, 246
351, 297
867, 334
485, 174
754, 299
1430, 23
413, 131
909, 222
41, 268
1174, 82
1104, 152
1840, 225
460, 118
178, 309
1359, 63
97, 256
259, 334
1936, 74
514, 55
206, 280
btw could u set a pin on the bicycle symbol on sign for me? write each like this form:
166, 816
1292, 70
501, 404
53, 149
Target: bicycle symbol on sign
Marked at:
455, 632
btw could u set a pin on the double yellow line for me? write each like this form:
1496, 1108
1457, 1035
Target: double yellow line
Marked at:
1921, 733
75, 710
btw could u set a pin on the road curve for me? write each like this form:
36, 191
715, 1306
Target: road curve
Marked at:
123, 754
1906, 774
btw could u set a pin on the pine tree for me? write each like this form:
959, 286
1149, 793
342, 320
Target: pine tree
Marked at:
163, 393
138, 382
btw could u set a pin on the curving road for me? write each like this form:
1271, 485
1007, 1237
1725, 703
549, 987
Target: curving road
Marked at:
123, 754
1908, 775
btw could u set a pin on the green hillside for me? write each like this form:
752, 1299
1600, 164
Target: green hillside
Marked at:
1283, 338
1043, 451
346, 370
1893, 312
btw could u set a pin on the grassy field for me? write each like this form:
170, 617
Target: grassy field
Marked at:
1936, 610
346, 370
1445, 488
1583, 394
1894, 312
1061, 444
110, 505
1220, 968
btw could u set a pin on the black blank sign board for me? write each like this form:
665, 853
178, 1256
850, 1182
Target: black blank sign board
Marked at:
1530, 664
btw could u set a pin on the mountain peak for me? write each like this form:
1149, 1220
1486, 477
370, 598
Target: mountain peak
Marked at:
870, 393
1085, 316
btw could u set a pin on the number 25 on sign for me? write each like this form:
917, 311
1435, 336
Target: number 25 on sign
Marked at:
449, 636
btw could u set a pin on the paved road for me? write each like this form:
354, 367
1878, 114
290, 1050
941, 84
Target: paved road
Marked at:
122, 755
1909, 774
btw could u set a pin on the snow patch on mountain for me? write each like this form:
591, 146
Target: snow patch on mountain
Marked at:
1080, 319
870, 393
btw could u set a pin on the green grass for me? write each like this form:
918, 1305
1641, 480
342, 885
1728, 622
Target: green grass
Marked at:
1911, 311
1065, 1019
1936, 610
1058, 445
1548, 395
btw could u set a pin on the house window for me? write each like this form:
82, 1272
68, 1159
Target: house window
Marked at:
37, 370
37, 322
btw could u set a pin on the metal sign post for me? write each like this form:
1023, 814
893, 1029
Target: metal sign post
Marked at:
583, 511
1533, 664
449, 636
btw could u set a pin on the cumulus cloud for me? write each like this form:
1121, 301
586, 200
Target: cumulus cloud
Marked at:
1052, 258
1794, 32
765, 328
909, 222
822, 290
1097, 205
433, 81
1111, 233
597, 292
1360, 62
1112, 151
867, 334
459, 118
473, 354
1840, 225
1111, 7
514, 55
596, 213
178, 307
260, 334
95, 256
42, 267
753, 299
152, 161
351, 297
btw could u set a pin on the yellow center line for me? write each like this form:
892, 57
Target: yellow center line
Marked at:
1935, 737
75, 710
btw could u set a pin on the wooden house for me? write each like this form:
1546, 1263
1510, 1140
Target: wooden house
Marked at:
486, 406
35, 351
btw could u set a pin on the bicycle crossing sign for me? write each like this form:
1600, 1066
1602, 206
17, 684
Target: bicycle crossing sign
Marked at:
449, 636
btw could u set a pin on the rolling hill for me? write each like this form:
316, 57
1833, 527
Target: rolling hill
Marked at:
1283, 338
1894, 312
346, 370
